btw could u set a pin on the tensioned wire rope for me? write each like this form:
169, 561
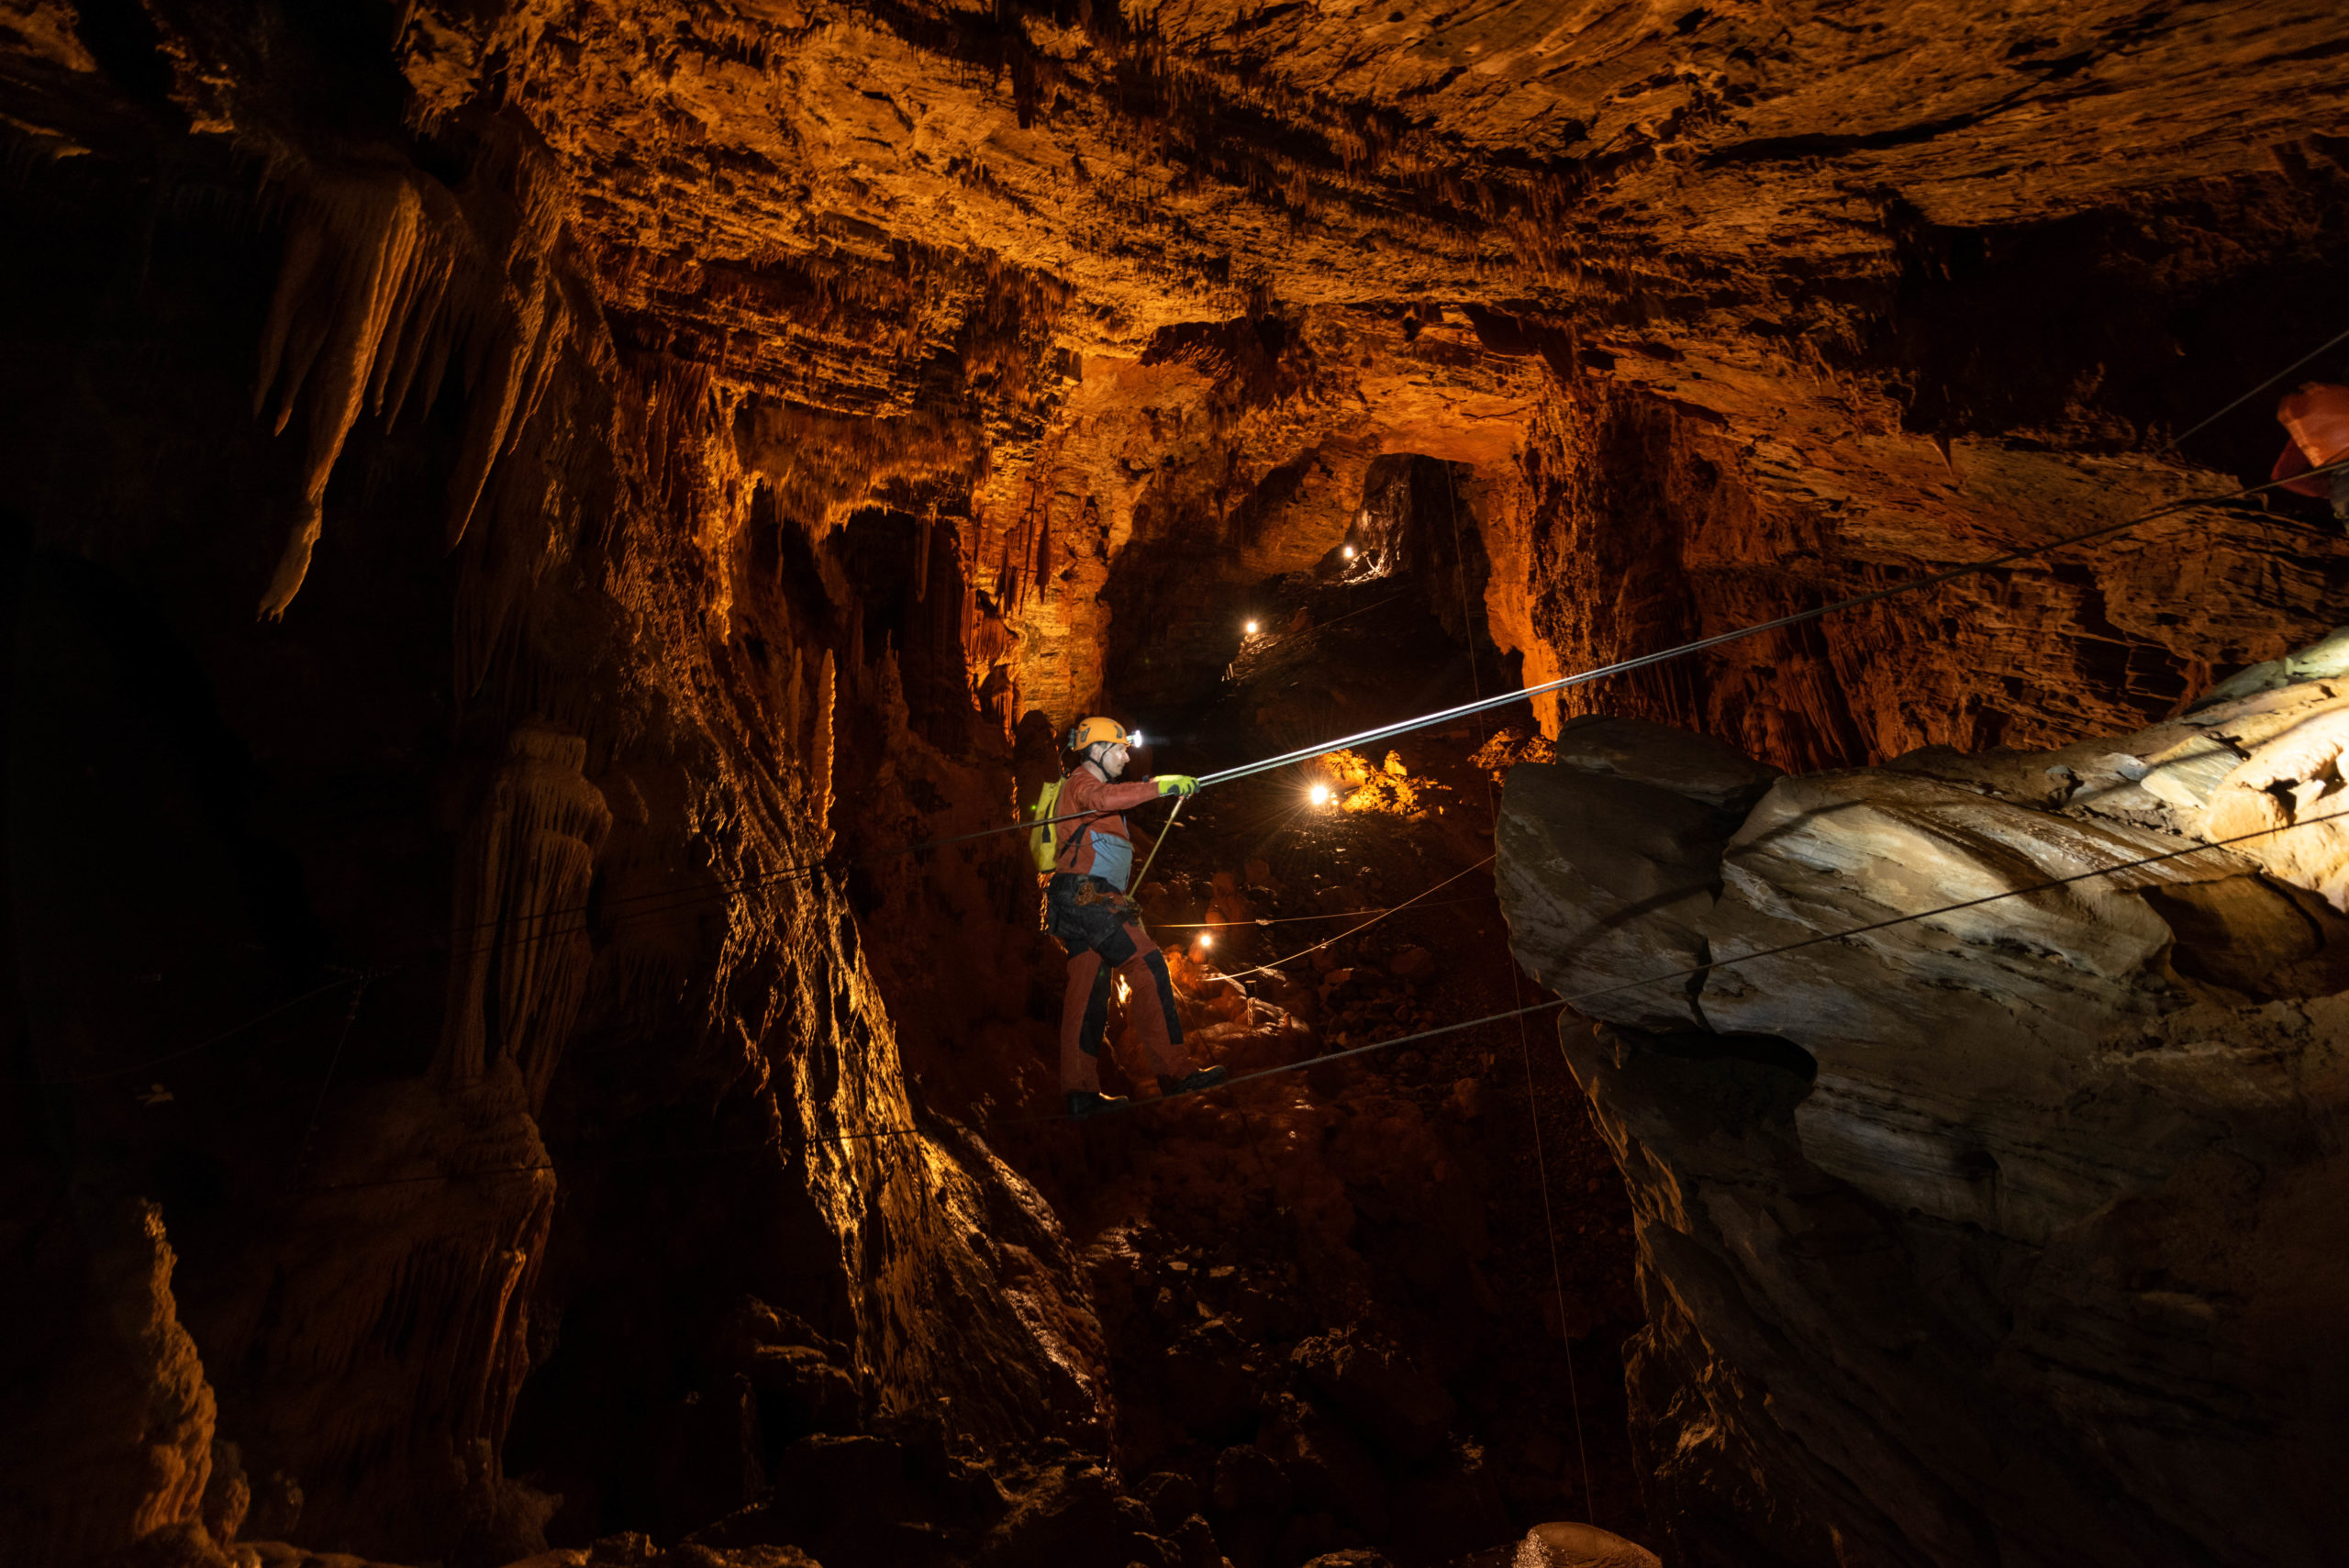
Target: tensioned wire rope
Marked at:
683, 897
1376, 915
548, 928
667, 901
1255, 920
355, 977
2189, 434
676, 898
1307, 1063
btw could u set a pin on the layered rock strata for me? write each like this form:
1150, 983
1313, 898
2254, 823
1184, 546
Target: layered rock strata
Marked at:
1977, 1121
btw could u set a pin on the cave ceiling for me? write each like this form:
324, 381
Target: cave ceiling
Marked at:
1077, 277
850, 207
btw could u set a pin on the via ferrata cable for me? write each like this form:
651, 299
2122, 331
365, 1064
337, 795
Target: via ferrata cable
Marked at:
1293, 919
1306, 1063
1798, 618
669, 900
2325, 348
1272, 965
224, 1036
679, 899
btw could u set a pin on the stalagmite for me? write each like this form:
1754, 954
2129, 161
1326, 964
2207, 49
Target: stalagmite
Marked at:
519, 924
820, 747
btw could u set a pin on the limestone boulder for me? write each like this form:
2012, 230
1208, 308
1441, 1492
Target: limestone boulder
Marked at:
1976, 1184
1565, 1544
1697, 766
2286, 805
1606, 882
1379, 1388
1949, 1045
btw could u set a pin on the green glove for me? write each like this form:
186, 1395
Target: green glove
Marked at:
1177, 783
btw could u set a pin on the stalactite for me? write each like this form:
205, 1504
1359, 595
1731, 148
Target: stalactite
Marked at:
1043, 552
515, 361
385, 278
352, 262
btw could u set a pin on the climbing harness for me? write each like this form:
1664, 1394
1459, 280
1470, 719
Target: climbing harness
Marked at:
1093, 891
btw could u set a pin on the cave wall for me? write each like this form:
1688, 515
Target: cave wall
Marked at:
501, 791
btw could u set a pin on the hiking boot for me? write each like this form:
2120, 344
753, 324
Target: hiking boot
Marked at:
1083, 1103
1205, 1078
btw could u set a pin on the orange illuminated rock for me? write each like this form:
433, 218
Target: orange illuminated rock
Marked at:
2317, 417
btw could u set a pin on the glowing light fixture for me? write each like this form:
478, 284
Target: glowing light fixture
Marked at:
1318, 795
1350, 552
1207, 938
1252, 629
1134, 739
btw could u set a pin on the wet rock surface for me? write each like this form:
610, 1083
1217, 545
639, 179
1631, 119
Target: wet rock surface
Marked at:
1989, 1148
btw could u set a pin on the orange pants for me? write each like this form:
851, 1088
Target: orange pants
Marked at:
1103, 941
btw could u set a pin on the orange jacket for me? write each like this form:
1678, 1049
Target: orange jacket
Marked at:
1106, 804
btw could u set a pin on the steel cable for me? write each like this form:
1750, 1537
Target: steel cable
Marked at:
1704, 644
1306, 1063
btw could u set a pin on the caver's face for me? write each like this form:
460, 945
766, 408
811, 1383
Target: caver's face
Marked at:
1114, 759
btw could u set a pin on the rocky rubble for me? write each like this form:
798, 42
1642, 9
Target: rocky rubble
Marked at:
1977, 1173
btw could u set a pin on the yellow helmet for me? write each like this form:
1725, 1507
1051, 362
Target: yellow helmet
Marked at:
1094, 731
